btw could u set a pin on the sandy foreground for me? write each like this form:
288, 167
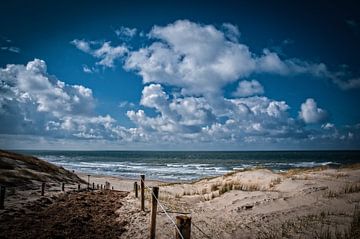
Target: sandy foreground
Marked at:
250, 204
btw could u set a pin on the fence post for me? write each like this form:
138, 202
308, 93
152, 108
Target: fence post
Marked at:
2, 196
101, 186
63, 187
154, 197
184, 225
142, 183
79, 187
93, 185
88, 183
136, 189
42, 188
97, 186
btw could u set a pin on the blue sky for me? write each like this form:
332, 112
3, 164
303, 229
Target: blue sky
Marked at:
185, 75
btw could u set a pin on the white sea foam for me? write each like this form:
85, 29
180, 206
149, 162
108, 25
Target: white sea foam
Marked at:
175, 168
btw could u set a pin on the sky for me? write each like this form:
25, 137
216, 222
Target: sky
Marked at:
179, 75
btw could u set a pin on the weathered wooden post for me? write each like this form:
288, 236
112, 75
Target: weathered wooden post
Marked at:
155, 196
97, 186
2, 196
101, 186
93, 185
142, 183
88, 184
184, 225
112, 187
42, 188
63, 187
136, 189
79, 187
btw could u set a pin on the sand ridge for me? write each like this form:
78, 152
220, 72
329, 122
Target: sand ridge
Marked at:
256, 204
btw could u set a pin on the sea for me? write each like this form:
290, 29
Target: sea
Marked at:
190, 165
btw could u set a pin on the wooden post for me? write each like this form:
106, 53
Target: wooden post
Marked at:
136, 189
184, 225
93, 185
63, 187
142, 183
42, 188
88, 184
2, 196
79, 187
155, 196
101, 186
97, 186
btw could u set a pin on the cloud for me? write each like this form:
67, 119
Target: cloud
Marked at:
249, 88
106, 53
202, 59
87, 69
185, 67
82, 45
194, 119
126, 104
310, 113
348, 84
125, 33
6, 45
231, 31
35, 103
11, 49
43, 109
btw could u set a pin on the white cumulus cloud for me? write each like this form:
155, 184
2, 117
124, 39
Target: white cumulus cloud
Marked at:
36, 103
202, 59
249, 88
106, 53
125, 33
311, 113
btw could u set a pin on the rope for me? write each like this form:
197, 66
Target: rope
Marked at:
176, 227
200, 230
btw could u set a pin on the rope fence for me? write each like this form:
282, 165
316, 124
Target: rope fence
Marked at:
164, 210
182, 224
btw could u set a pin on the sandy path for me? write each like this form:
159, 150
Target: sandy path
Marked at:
71, 215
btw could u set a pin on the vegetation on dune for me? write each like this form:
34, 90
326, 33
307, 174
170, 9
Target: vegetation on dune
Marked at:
17, 169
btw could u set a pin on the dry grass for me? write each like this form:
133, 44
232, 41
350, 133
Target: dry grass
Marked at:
351, 166
331, 194
214, 187
17, 169
352, 188
349, 188
228, 186
275, 181
297, 171
341, 175
352, 232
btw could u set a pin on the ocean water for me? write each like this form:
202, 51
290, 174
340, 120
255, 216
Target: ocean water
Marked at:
174, 166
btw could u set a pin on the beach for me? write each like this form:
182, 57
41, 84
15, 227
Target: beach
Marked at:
251, 203
305, 203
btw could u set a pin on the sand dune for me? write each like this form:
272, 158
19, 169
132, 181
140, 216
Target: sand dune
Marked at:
258, 203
